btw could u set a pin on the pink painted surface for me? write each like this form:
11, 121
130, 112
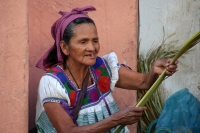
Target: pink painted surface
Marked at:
117, 27
13, 66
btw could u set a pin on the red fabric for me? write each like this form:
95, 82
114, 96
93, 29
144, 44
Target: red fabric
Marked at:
104, 84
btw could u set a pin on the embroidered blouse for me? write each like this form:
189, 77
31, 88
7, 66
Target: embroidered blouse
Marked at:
98, 103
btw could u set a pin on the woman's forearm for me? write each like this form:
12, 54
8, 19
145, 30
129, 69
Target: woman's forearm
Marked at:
64, 124
149, 79
99, 127
137, 81
132, 80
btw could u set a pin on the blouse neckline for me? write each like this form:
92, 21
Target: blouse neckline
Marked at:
72, 83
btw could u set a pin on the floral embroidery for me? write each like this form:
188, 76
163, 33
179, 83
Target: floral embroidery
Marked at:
104, 84
94, 96
72, 97
102, 80
98, 72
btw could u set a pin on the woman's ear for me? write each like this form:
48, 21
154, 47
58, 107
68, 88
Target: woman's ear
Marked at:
64, 47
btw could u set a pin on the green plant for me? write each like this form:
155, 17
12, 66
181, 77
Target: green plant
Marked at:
154, 105
189, 44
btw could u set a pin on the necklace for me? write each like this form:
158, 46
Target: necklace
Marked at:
72, 75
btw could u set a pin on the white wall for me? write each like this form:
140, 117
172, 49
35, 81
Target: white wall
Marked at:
177, 16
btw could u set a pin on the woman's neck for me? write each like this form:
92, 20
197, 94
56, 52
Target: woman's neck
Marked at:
76, 72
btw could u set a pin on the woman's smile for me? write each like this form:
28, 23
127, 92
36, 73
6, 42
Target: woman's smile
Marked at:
92, 56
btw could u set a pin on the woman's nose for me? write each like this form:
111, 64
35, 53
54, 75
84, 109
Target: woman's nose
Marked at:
90, 46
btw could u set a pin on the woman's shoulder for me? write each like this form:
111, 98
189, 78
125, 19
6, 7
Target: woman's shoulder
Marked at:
51, 88
52, 77
113, 65
106, 59
54, 73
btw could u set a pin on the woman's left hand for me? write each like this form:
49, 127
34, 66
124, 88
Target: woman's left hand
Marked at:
160, 65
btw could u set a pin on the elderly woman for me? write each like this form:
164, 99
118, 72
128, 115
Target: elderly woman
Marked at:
75, 93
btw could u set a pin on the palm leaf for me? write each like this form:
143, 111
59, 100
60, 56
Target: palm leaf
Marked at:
189, 44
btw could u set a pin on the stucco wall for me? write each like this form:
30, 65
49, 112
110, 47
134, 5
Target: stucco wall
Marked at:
13, 66
117, 28
183, 18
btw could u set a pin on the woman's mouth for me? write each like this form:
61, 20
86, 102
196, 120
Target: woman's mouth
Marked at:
90, 55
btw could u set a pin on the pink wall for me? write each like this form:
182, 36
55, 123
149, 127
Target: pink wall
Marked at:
117, 28
13, 66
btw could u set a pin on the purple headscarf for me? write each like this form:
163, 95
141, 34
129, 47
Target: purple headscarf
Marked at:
57, 31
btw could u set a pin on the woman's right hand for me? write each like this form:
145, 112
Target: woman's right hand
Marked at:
129, 115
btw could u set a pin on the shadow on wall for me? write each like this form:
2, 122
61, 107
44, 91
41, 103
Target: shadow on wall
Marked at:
34, 76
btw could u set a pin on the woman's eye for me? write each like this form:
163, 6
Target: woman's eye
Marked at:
95, 41
82, 42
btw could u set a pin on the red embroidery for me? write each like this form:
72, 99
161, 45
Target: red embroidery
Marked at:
104, 84
72, 97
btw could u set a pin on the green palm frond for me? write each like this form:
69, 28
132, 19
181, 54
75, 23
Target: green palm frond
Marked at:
189, 44
154, 105
145, 98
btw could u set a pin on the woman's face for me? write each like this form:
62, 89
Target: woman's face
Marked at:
84, 45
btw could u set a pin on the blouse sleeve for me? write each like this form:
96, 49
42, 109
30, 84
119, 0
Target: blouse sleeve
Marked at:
114, 66
51, 90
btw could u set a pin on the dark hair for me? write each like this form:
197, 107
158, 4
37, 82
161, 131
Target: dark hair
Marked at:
68, 34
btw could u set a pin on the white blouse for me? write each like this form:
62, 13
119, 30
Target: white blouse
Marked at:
52, 90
